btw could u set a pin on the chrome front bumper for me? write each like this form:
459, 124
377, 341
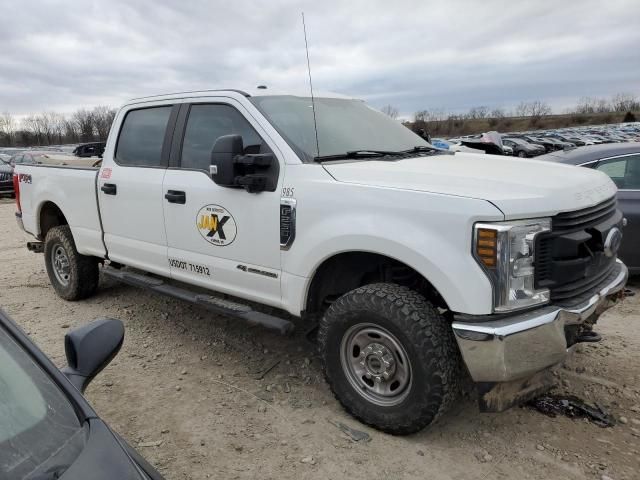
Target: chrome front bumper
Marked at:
521, 345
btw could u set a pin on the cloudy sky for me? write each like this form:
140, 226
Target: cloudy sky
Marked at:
450, 54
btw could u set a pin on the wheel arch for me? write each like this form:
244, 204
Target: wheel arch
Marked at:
348, 270
49, 216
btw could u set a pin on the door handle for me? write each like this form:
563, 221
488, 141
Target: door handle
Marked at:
109, 188
176, 196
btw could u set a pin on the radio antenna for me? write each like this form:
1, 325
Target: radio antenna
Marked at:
313, 102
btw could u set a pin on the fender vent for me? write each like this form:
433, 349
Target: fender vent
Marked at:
287, 222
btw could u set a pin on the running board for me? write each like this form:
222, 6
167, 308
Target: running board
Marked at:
217, 305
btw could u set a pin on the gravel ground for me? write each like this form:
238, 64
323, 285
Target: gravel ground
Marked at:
189, 389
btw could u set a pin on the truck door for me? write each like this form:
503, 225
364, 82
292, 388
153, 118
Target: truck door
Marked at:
226, 239
130, 189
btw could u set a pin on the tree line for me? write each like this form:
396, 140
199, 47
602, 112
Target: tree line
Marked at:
530, 114
52, 128
84, 125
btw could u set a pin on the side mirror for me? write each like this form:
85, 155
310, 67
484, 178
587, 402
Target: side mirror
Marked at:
231, 167
90, 348
222, 168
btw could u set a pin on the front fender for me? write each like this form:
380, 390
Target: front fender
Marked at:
429, 232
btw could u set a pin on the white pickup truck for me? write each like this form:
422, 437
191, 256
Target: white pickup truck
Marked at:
420, 267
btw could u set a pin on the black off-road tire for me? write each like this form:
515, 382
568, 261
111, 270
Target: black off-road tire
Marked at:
83, 270
427, 339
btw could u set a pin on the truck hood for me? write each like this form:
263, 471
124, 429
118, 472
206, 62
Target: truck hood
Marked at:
519, 188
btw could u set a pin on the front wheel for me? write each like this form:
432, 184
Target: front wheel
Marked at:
72, 275
522, 154
389, 357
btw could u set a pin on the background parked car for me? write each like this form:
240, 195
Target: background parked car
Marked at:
54, 157
507, 149
47, 428
6, 178
94, 149
569, 139
558, 144
621, 161
548, 145
440, 143
26, 157
522, 148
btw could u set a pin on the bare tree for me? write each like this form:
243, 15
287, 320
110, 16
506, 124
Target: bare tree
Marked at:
602, 105
522, 110
624, 102
33, 126
586, 105
536, 109
7, 128
57, 126
539, 109
421, 116
497, 113
51, 126
478, 112
391, 111
103, 118
71, 131
85, 124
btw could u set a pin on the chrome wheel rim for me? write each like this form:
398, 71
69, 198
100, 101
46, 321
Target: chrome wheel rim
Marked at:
376, 364
61, 265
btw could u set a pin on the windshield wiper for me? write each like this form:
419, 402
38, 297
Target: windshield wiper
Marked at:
374, 153
356, 154
422, 148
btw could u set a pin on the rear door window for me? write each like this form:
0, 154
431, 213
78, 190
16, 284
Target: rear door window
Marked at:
142, 137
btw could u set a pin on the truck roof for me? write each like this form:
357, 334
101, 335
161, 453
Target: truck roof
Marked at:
252, 92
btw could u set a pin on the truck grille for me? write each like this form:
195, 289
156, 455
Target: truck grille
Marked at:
582, 219
5, 176
570, 260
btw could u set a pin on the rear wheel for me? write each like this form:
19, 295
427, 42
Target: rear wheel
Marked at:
522, 154
72, 275
389, 357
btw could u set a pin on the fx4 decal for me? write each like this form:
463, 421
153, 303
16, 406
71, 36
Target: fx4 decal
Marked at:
24, 178
216, 225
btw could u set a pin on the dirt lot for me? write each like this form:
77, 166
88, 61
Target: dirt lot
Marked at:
190, 380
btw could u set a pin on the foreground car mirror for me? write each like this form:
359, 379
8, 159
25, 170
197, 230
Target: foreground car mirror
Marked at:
90, 348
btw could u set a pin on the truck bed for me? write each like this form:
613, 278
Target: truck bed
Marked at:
68, 188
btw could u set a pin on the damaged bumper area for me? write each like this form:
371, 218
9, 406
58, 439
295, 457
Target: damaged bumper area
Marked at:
509, 357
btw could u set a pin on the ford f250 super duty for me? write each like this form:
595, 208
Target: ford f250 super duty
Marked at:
420, 267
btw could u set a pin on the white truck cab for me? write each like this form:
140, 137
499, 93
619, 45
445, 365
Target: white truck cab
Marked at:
417, 264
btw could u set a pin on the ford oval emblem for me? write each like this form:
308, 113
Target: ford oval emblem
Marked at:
613, 241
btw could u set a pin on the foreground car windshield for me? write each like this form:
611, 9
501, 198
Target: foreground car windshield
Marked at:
39, 429
344, 125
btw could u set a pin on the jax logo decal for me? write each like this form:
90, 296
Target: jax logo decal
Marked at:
216, 225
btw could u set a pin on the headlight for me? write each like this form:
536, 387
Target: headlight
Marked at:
506, 251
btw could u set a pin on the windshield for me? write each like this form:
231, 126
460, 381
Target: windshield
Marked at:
343, 125
38, 425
